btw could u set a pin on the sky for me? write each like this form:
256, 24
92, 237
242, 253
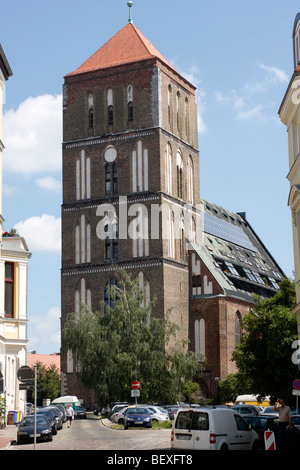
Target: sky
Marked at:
239, 55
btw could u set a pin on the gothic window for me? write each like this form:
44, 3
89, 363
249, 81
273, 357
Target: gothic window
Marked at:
179, 162
107, 179
200, 336
138, 231
83, 296
130, 102
110, 107
171, 237
111, 240
140, 169
168, 169
144, 287
82, 241
178, 110
190, 181
181, 238
170, 105
109, 297
238, 320
83, 177
91, 110
111, 170
9, 289
186, 118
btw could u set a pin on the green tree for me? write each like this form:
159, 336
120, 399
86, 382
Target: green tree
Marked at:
48, 382
264, 357
126, 342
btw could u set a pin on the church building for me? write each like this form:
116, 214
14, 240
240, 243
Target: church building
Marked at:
131, 200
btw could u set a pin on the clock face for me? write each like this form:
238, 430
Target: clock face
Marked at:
110, 154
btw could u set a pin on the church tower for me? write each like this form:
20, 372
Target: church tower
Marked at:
130, 171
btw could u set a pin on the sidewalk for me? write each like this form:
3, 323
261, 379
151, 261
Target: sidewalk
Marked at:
8, 434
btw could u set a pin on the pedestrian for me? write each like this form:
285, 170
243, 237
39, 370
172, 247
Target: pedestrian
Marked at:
285, 420
69, 415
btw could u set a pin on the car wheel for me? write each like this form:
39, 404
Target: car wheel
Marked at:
224, 447
121, 421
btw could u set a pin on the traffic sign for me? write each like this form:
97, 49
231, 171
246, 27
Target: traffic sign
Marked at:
135, 385
25, 386
25, 373
135, 393
296, 392
270, 440
296, 384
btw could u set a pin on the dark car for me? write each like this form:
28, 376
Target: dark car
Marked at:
263, 422
62, 410
79, 412
26, 429
172, 410
58, 415
51, 417
137, 416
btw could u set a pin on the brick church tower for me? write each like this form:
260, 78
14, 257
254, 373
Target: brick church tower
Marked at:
130, 170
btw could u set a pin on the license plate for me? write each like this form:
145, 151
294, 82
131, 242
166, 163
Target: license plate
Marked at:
138, 422
37, 435
183, 437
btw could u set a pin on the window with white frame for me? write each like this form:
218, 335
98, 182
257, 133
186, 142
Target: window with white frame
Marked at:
140, 169
168, 169
82, 241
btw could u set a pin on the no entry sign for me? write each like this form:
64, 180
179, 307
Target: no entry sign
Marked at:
135, 385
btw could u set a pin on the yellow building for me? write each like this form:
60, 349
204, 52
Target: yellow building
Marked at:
289, 113
14, 256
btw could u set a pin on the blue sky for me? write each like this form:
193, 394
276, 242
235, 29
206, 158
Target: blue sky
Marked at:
238, 54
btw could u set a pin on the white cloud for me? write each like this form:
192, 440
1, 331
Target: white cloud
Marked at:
33, 135
277, 75
49, 184
44, 330
253, 113
41, 233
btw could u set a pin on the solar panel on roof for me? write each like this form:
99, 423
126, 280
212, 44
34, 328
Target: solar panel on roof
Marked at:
226, 231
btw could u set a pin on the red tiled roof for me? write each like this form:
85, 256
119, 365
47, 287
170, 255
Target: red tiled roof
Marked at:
46, 359
127, 46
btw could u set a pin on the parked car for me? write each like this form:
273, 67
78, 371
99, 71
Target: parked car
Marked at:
62, 410
58, 415
26, 429
116, 408
172, 410
269, 410
265, 422
246, 410
118, 417
137, 416
51, 417
79, 412
296, 420
212, 429
157, 413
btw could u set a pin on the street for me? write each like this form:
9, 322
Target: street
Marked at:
92, 434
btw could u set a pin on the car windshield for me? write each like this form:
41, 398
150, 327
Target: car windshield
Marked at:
29, 421
137, 411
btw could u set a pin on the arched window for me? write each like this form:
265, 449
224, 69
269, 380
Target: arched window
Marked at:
170, 105
111, 240
130, 102
168, 169
83, 177
82, 296
238, 320
179, 162
140, 168
111, 170
190, 181
82, 241
110, 107
171, 236
178, 110
200, 336
91, 110
187, 118
109, 296
107, 179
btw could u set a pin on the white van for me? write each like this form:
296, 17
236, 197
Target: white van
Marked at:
211, 429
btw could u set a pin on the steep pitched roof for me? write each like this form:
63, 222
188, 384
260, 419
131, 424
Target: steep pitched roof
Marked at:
127, 46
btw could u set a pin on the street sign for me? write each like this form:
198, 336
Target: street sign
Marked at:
296, 384
24, 386
296, 392
135, 385
135, 393
25, 373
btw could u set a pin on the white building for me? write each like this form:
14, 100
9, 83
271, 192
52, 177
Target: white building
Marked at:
14, 256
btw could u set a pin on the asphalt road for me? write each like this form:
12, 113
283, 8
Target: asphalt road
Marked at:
92, 434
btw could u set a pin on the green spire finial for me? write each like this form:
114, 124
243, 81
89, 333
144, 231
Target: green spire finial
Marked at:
130, 6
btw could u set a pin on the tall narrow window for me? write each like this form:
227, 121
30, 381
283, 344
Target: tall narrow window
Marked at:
82, 241
130, 102
170, 105
190, 181
200, 336
83, 177
107, 179
140, 169
187, 118
171, 237
91, 111
168, 169
178, 110
110, 107
9, 290
179, 174
111, 230
82, 296
138, 231
109, 296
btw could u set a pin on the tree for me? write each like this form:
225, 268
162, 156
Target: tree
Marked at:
125, 342
264, 357
48, 382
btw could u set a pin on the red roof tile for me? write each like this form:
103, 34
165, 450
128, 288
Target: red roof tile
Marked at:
127, 46
46, 359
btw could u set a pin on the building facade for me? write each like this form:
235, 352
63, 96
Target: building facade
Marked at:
14, 256
131, 200
289, 113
